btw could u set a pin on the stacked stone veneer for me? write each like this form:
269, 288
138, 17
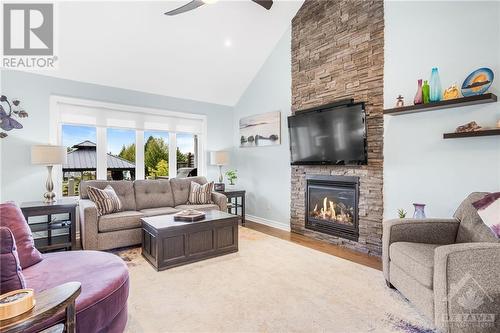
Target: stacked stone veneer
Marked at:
338, 53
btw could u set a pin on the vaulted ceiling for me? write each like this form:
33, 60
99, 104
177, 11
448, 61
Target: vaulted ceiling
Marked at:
210, 54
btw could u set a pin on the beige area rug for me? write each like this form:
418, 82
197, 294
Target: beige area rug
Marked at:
270, 285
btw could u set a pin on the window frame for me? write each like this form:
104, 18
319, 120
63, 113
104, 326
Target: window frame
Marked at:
57, 103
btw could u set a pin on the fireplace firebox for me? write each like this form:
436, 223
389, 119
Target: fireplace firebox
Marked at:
332, 205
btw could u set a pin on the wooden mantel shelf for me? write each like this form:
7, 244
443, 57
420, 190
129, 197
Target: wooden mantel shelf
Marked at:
452, 103
485, 132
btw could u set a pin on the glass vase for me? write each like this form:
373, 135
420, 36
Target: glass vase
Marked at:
419, 211
425, 92
435, 93
418, 95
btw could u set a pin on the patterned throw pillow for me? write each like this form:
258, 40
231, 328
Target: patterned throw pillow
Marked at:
106, 200
488, 209
200, 194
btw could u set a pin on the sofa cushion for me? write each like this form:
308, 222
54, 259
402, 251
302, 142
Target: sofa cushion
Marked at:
159, 211
181, 187
472, 227
123, 188
416, 259
153, 194
106, 200
120, 221
12, 277
12, 218
198, 207
200, 194
105, 286
488, 209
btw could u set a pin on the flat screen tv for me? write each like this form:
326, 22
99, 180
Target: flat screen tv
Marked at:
331, 135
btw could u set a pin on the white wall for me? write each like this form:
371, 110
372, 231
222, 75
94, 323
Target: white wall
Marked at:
21, 181
264, 172
419, 166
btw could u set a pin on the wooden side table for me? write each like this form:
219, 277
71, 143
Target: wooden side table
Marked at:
48, 303
53, 225
235, 200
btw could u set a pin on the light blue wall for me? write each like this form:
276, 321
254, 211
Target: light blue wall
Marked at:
264, 172
20, 181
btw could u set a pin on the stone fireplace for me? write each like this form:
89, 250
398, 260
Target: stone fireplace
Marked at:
338, 54
332, 205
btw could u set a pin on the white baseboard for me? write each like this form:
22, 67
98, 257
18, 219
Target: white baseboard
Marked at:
267, 222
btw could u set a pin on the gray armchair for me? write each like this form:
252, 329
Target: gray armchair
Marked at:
448, 268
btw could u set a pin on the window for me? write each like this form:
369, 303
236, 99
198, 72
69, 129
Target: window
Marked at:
187, 146
156, 149
81, 162
120, 159
123, 142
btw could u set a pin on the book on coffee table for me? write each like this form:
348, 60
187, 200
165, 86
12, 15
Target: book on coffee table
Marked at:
189, 215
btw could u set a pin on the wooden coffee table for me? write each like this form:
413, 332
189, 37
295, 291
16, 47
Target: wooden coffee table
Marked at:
167, 243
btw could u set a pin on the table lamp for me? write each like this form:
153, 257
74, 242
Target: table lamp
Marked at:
219, 158
48, 155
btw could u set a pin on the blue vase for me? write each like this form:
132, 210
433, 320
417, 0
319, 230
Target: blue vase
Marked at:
435, 93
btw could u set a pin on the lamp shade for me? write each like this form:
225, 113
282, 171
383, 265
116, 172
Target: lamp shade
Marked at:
48, 154
219, 157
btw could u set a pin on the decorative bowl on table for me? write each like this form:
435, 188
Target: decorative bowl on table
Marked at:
189, 215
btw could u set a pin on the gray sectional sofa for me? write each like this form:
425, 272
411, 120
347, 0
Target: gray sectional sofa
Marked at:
140, 198
448, 268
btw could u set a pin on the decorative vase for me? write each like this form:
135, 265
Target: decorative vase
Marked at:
426, 92
435, 94
400, 101
419, 211
418, 95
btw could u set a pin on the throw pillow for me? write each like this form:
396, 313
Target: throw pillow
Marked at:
10, 269
12, 218
200, 194
488, 209
106, 200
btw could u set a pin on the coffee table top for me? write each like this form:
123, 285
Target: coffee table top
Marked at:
167, 221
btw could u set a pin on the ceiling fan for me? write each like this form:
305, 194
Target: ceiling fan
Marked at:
267, 4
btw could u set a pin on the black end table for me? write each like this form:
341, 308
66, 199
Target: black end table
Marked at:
235, 200
53, 225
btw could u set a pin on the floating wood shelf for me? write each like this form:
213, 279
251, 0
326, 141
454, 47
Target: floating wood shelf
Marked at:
485, 132
452, 103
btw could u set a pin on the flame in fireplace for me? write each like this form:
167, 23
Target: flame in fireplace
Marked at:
332, 211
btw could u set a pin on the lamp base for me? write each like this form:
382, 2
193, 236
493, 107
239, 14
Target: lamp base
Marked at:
49, 197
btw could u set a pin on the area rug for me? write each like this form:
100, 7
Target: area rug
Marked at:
270, 285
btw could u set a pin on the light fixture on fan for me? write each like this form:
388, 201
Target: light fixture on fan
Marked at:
267, 4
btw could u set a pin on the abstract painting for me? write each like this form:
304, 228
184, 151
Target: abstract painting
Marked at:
261, 130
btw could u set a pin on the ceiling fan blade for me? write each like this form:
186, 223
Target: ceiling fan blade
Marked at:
267, 4
187, 7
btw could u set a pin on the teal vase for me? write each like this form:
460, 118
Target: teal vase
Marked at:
435, 93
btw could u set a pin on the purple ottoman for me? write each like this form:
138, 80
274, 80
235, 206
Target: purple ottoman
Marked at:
102, 305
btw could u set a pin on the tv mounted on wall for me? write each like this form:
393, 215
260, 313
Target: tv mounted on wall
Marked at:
333, 134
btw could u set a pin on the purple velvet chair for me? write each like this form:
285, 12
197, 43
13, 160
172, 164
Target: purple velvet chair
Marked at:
102, 304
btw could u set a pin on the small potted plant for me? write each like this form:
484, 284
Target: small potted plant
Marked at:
401, 213
231, 176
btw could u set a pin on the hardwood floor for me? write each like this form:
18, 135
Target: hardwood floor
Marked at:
360, 258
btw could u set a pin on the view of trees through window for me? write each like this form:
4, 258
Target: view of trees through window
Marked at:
80, 141
156, 154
